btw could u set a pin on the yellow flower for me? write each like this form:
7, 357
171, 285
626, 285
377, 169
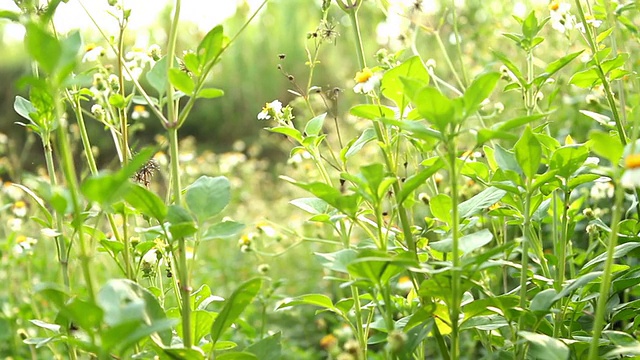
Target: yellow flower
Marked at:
631, 177
139, 111
328, 341
366, 81
364, 75
554, 5
19, 208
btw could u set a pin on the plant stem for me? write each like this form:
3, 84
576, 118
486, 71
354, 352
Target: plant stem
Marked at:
61, 244
183, 270
69, 171
605, 283
455, 252
526, 228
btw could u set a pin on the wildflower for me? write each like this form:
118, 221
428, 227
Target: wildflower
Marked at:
431, 64
151, 257
93, 53
267, 229
19, 208
561, 18
139, 112
590, 21
328, 342
98, 111
14, 224
602, 189
161, 158
404, 284
23, 244
366, 81
631, 177
154, 52
114, 83
272, 109
48, 232
13, 192
499, 107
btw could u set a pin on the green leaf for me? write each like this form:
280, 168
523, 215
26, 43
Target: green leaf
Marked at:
24, 107
620, 251
337, 261
606, 145
124, 301
530, 26
481, 201
467, 243
210, 93
223, 230
372, 112
391, 85
234, 306
268, 348
181, 224
201, 324
348, 204
211, 45
480, 89
43, 47
107, 188
528, 153
507, 62
577, 284
379, 267
555, 66
208, 196
9, 15
440, 206
157, 76
192, 63
183, 354
545, 347
320, 300
568, 159
614, 63
290, 132
585, 79
506, 160
147, 202
364, 138
311, 205
435, 107
314, 126
181, 81
237, 356
419, 178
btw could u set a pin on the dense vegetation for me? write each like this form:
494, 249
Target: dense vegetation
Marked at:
461, 182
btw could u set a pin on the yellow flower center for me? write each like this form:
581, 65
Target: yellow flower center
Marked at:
21, 239
364, 75
89, 47
554, 5
632, 161
19, 204
139, 108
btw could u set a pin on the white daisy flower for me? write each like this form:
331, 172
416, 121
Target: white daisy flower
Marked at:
366, 81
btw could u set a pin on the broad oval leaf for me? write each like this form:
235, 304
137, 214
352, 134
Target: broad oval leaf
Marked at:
208, 196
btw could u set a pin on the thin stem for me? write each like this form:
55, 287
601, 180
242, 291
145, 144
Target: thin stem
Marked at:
171, 54
526, 239
183, 270
605, 283
456, 296
72, 182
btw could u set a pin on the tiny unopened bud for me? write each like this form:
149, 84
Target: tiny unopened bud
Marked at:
588, 212
263, 269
